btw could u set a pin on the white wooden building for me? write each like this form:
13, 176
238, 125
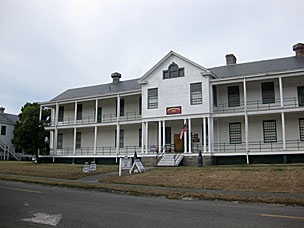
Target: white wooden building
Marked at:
237, 113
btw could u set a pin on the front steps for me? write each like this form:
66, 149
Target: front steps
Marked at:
170, 160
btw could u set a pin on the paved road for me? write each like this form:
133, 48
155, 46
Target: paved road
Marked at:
29, 205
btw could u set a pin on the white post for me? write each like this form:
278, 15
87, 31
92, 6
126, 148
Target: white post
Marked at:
40, 113
281, 91
147, 136
247, 138
142, 137
159, 136
164, 136
185, 138
75, 112
209, 135
245, 94
212, 135
204, 135
56, 131
74, 141
95, 139
117, 139
189, 136
96, 110
118, 107
283, 130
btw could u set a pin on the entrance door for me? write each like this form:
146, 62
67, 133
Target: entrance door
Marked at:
178, 143
301, 95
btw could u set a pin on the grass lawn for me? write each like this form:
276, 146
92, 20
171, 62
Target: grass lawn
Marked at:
259, 178
64, 171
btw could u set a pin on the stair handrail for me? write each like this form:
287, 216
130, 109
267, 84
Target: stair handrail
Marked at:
178, 158
10, 150
160, 155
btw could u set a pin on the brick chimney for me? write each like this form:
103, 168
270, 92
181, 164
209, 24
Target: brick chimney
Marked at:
2, 110
230, 59
299, 49
115, 76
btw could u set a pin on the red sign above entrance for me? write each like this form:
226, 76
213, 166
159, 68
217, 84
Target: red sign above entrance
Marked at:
174, 110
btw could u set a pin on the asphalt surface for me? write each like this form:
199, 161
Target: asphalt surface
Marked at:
30, 205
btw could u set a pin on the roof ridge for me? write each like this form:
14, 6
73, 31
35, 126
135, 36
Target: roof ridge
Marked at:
257, 61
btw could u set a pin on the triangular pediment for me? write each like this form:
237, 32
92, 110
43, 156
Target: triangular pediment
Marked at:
171, 54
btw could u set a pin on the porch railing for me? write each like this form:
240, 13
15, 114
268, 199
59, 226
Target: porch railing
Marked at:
107, 118
258, 105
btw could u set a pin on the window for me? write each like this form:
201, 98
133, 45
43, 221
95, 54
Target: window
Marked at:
140, 137
61, 114
235, 134
268, 93
99, 115
139, 105
121, 138
301, 125
173, 71
3, 130
214, 93
196, 93
270, 131
79, 112
153, 98
59, 141
301, 95
233, 96
121, 107
78, 140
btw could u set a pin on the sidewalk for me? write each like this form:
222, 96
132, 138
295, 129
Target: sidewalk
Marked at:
94, 180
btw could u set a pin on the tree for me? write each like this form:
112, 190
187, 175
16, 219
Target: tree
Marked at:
29, 132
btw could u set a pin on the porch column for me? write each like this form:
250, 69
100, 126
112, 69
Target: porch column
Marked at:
117, 138
96, 110
281, 92
209, 135
204, 135
159, 136
75, 113
245, 94
40, 113
283, 130
56, 131
56, 114
117, 125
52, 140
95, 139
142, 137
185, 138
189, 136
247, 137
74, 141
212, 135
147, 136
118, 107
164, 136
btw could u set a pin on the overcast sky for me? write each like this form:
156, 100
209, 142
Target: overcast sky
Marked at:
48, 46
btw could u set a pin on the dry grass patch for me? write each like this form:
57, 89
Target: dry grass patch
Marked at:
170, 194
62, 171
259, 178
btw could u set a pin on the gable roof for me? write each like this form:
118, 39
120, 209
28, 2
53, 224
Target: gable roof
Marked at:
171, 53
8, 118
259, 67
98, 90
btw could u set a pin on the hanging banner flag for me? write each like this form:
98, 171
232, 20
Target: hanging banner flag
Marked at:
185, 128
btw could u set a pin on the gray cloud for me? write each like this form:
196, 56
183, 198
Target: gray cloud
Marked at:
47, 47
